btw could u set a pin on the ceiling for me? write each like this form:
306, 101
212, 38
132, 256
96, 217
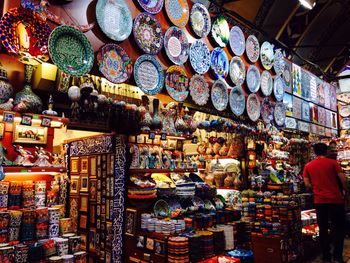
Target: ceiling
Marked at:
320, 36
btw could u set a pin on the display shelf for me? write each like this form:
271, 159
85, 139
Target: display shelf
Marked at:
168, 135
177, 170
226, 188
33, 169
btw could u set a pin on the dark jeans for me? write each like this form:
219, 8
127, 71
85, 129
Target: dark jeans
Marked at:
335, 214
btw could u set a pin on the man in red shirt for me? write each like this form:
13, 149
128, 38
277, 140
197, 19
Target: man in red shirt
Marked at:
328, 183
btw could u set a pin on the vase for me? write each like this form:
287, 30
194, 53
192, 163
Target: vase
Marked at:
169, 114
146, 118
26, 100
180, 125
6, 89
156, 120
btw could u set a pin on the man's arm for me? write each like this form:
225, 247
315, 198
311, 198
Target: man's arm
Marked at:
344, 182
307, 183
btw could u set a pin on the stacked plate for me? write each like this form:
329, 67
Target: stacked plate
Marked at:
144, 219
228, 232
185, 189
151, 224
207, 243
178, 249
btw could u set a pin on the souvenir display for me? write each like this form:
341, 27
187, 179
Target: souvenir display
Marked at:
200, 57
71, 51
219, 63
237, 40
177, 11
199, 90
114, 18
219, 95
267, 55
253, 78
345, 123
200, 20
253, 107
152, 7
296, 72
344, 111
267, 111
266, 83
297, 107
287, 76
6, 89
176, 83
237, 100
148, 33
278, 88
114, 63
327, 98
280, 114
305, 111
305, 84
237, 71
148, 74
220, 31
279, 62
252, 48
313, 89
176, 45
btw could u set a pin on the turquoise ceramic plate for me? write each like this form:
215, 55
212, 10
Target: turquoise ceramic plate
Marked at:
114, 18
71, 51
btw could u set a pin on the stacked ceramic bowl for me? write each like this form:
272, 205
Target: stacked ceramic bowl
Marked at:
178, 249
228, 232
144, 220
185, 189
28, 195
4, 189
15, 225
40, 194
54, 218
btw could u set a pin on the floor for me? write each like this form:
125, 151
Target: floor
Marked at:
346, 253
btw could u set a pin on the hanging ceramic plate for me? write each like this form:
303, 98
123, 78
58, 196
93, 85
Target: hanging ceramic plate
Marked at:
267, 111
148, 33
200, 20
176, 45
253, 107
71, 51
114, 63
237, 41
176, 83
199, 90
266, 83
178, 12
219, 63
200, 57
148, 74
219, 95
237, 70
279, 63
267, 55
291, 123
280, 114
344, 111
252, 48
151, 6
253, 78
345, 123
237, 100
278, 88
221, 31
114, 18
287, 77
18, 20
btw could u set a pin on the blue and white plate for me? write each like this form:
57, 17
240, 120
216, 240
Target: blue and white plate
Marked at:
220, 31
176, 45
278, 88
148, 74
219, 95
200, 20
280, 114
252, 48
253, 107
237, 41
291, 123
219, 63
278, 63
267, 55
200, 57
237, 70
253, 78
237, 100
151, 6
266, 83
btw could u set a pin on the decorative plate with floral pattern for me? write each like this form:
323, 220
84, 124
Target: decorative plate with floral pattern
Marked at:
237, 70
114, 63
219, 95
178, 12
219, 63
148, 33
176, 45
266, 83
237, 100
237, 40
267, 111
253, 107
267, 55
151, 6
176, 83
148, 74
221, 31
279, 63
252, 48
278, 88
253, 78
199, 90
200, 57
200, 20
345, 123
280, 114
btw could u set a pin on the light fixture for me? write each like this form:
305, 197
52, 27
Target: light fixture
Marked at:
309, 4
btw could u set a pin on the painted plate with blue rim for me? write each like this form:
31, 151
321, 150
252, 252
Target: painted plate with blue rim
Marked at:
220, 31
237, 70
200, 57
253, 78
252, 48
176, 45
219, 95
280, 113
267, 111
278, 88
148, 74
237, 100
253, 107
151, 6
199, 90
278, 63
267, 55
114, 63
219, 63
114, 18
178, 12
176, 83
71, 51
148, 33
200, 20
266, 83
237, 40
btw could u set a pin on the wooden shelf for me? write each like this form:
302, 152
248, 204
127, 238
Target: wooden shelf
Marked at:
226, 188
33, 169
169, 136
189, 170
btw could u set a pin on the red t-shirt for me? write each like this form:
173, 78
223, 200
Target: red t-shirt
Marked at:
323, 173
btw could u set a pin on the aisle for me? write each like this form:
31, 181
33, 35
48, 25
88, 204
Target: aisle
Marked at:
346, 253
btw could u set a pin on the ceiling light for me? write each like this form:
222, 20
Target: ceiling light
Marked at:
309, 4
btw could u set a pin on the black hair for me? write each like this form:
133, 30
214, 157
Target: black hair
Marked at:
320, 148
